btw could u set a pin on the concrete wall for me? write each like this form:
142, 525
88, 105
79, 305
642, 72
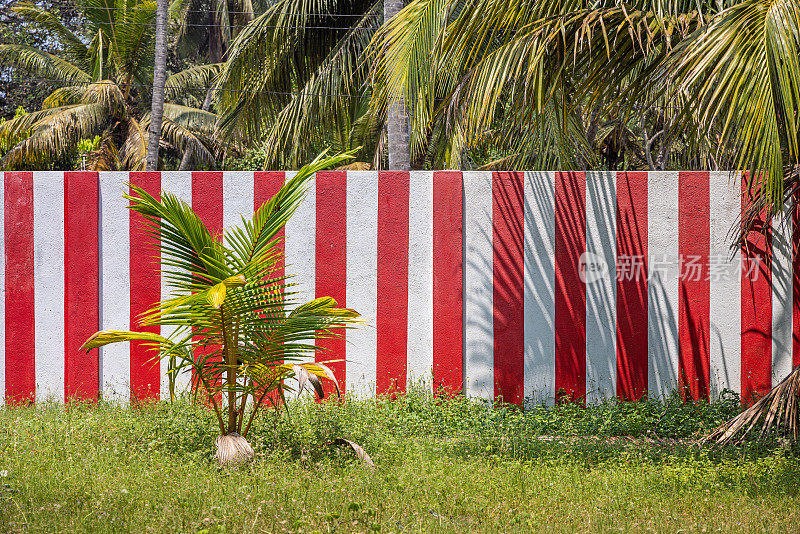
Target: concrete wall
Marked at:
520, 285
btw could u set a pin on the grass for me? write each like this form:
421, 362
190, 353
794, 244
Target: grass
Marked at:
443, 465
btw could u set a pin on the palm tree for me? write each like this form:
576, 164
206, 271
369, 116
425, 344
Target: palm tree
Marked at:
103, 89
570, 84
237, 324
296, 80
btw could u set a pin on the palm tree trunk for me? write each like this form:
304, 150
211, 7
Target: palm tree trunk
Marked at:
397, 135
159, 79
216, 48
186, 160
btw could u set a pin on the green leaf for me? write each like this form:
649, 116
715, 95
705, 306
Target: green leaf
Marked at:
105, 337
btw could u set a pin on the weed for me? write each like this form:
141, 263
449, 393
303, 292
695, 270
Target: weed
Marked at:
443, 465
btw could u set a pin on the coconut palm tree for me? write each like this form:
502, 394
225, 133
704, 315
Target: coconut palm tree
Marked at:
104, 80
237, 324
713, 83
296, 80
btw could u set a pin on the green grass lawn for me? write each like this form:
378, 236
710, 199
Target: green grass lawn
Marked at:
442, 466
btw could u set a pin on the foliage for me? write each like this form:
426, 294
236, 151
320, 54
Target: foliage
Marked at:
253, 159
19, 89
237, 326
62, 469
296, 80
84, 148
582, 85
205, 28
103, 75
4, 145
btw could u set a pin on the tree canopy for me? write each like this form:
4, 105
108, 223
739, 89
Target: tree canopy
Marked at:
530, 84
103, 76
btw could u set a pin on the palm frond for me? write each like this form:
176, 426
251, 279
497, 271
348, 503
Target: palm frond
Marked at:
743, 73
64, 96
312, 114
184, 138
55, 132
133, 152
277, 53
185, 242
255, 238
73, 46
107, 94
197, 120
134, 38
198, 77
41, 63
776, 410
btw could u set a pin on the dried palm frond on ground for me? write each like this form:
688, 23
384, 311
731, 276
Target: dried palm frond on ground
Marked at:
778, 408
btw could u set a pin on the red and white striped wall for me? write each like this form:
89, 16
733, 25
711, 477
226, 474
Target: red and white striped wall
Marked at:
512, 284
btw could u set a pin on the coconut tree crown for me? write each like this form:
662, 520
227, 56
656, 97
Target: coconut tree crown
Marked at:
236, 322
104, 78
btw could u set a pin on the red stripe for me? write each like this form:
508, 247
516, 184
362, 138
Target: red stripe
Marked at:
19, 305
81, 282
507, 266
694, 308
570, 302
265, 186
756, 312
331, 258
392, 306
448, 304
796, 280
207, 199
207, 204
145, 291
632, 285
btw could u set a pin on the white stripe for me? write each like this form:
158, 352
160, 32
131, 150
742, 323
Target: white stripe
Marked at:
420, 280
48, 276
115, 283
478, 285
362, 279
662, 287
601, 286
237, 198
178, 183
725, 287
782, 278
2, 290
539, 297
300, 249
300, 253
